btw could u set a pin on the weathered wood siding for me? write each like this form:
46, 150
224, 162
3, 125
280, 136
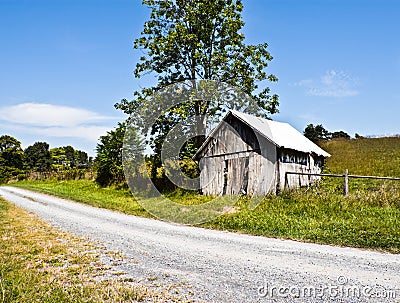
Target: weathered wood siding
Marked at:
295, 181
236, 162
263, 179
239, 161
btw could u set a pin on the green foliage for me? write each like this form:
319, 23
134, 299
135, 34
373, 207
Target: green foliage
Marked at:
109, 167
38, 157
11, 158
11, 151
197, 40
316, 133
109, 157
59, 159
319, 133
67, 157
38, 161
340, 135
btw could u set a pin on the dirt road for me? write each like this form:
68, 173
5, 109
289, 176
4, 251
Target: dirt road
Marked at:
221, 266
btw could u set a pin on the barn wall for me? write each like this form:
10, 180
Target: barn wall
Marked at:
252, 166
263, 174
223, 146
295, 181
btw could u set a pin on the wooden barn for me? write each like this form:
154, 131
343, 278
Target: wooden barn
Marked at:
245, 154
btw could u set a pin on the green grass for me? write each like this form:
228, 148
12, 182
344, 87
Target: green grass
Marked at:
90, 193
368, 218
321, 217
372, 156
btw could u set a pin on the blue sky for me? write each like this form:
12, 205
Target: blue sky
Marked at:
65, 63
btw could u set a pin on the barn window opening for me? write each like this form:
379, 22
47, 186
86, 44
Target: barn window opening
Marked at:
225, 177
246, 177
319, 162
293, 157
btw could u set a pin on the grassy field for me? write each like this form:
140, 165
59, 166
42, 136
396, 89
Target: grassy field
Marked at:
368, 218
370, 156
42, 264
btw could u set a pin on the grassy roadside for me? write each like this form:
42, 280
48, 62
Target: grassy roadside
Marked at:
41, 264
320, 215
90, 193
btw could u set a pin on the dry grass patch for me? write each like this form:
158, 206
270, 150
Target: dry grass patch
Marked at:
41, 264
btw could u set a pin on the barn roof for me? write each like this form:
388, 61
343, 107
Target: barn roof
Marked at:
281, 134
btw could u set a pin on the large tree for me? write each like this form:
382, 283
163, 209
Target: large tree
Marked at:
197, 40
11, 158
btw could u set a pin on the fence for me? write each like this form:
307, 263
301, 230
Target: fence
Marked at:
345, 177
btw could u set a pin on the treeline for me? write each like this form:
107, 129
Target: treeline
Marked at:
17, 163
318, 133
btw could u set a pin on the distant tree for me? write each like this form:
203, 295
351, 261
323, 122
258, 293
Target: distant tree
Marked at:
58, 157
316, 133
38, 157
81, 158
357, 136
70, 155
340, 134
11, 152
108, 161
11, 158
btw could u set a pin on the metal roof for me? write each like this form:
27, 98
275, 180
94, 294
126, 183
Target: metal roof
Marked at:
280, 133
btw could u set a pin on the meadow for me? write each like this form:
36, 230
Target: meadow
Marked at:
369, 217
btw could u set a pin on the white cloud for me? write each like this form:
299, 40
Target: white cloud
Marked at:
335, 84
55, 121
48, 115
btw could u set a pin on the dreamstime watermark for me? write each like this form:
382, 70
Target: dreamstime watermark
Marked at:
342, 290
194, 107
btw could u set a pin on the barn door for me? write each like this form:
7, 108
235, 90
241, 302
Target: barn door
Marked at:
236, 175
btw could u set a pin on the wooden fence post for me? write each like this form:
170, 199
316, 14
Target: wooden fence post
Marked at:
346, 182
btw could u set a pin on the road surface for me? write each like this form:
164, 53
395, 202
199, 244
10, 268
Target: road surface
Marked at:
222, 266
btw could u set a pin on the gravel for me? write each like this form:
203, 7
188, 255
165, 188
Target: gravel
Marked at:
216, 266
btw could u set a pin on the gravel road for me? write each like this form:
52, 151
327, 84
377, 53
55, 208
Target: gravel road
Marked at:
222, 266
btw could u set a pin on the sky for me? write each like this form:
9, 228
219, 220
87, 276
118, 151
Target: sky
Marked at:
65, 63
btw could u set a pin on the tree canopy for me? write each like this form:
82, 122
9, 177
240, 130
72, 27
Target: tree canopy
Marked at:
38, 157
197, 40
109, 157
318, 132
16, 163
11, 152
340, 134
11, 158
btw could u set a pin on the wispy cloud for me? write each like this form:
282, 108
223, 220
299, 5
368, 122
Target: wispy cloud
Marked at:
54, 120
333, 83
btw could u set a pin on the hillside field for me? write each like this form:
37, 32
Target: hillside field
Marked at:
370, 156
